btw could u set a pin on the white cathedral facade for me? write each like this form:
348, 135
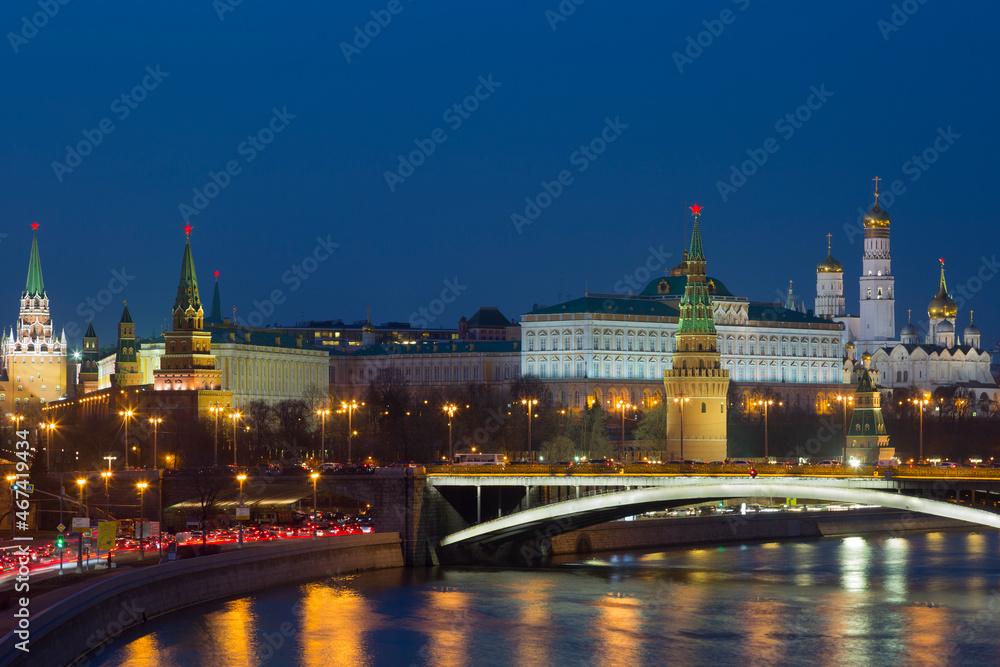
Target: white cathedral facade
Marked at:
942, 358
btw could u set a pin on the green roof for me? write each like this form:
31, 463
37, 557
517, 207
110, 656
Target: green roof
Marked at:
611, 304
90, 330
34, 286
227, 333
441, 347
696, 252
768, 312
673, 286
126, 316
215, 317
187, 287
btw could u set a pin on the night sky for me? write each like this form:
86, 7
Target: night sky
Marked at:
337, 110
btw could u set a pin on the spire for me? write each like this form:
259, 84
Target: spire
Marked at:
187, 287
215, 317
126, 316
696, 253
942, 286
90, 330
790, 299
34, 286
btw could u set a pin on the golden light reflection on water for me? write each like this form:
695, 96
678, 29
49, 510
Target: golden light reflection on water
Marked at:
449, 624
145, 651
855, 555
335, 616
615, 628
928, 633
765, 624
535, 619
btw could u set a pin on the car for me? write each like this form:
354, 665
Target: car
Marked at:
601, 462
716, 463
828, 463
740, 462
945, 464
568, 464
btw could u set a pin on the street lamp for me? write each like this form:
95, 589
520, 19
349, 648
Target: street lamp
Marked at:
450, 409
10, 483
234, 416
920, 403
126, 417
846, 400
350, 407
623, 406
765, 404
322, 412
215, 410
530, 402
142, 490
242, 478
314, 476
681, 400
106, 474
47, 427
155, 421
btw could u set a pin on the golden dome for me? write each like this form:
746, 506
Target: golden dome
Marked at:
942, 306
829, 265
876, 217
850, 346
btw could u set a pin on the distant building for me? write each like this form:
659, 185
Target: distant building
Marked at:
488, 323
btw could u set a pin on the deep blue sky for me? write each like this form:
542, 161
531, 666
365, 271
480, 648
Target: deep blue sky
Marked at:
324, 174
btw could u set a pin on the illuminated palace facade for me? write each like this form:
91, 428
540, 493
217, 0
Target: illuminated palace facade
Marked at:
614, 347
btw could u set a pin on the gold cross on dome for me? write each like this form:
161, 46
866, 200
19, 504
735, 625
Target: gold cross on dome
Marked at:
876, 179
829, 241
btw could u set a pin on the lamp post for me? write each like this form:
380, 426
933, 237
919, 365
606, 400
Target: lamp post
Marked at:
846, 400
322, 412
142, 490
920, 403
82, 483
766, 403
242, 478
10, 484
47, 427
530, 402
17, 419
681, 400
235, 416
623, 406
155, 421
315, 476
126, 417
450, 409
106, 474
215, 410
350, 407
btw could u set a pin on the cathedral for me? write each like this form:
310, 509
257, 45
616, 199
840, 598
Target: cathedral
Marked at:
921, 363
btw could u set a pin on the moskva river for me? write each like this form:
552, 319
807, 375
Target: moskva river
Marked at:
922, 599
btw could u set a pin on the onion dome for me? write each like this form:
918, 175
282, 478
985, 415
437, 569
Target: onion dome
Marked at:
368, 328
876, 217
945, 327
972, 330
850, 346
909, 329
942, 306
829, 265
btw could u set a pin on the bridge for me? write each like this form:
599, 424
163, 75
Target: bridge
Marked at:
519, 503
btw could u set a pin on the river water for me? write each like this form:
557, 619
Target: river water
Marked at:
920, 599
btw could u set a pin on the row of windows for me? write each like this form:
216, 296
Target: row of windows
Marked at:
435, 373
58, 360
620, 342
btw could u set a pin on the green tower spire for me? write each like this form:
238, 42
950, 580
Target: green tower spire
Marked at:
215, 317
34, 286
697, 313
187, 288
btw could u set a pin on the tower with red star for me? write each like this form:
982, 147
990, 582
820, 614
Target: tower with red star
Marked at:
34, 358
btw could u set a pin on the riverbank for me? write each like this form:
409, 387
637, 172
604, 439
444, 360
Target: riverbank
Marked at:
700, 530
86, 621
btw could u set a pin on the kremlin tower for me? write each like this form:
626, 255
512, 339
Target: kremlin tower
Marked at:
696, 386
829, 285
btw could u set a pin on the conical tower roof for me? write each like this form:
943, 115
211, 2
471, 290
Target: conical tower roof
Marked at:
187, 287
34, 286
90, 331
696, 253
215, 317
126, 316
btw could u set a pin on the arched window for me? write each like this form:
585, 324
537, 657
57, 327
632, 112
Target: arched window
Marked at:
704, 407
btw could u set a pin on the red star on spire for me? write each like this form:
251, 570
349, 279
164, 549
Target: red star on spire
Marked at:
187, 229
34, 225
216, 275
942, 261
695, 210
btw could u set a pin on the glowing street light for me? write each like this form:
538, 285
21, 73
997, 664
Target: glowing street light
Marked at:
126, 417
766, 403
623, 406
315, 476
450, 409
47, 427
242, 478
529, 402
846, 400
142, 490
215, 410
350, 407
235, 416
155, 421
106, 474
921, 403
681, 400
322, 412
10, 483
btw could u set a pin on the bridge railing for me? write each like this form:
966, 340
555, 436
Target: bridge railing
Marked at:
641, 469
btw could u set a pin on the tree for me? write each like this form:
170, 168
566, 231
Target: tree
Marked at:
653, 426
560, 448
592, 432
